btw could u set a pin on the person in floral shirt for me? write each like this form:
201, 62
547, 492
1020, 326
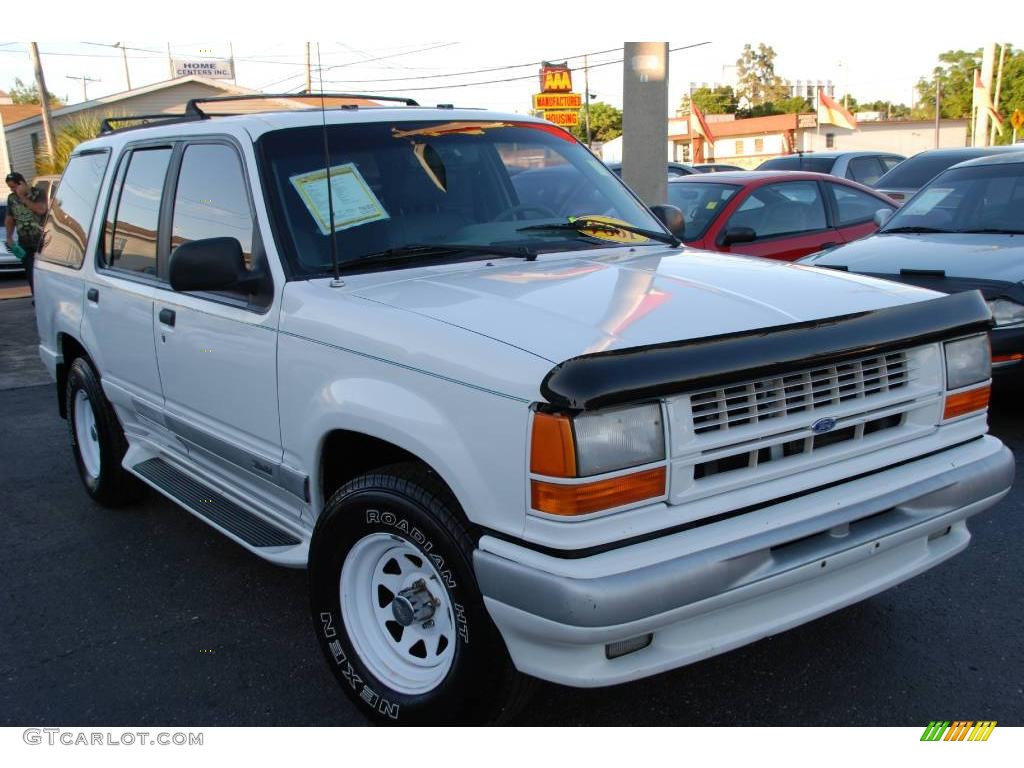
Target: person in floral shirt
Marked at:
26, 207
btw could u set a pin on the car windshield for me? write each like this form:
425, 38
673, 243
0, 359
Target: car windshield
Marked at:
701, 202
978, 199
798, 163
401, 184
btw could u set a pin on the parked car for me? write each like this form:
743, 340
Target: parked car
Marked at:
903, 181
961, 232
714, 167
674, 169
777, 214
862, 167
505, 442
8, 261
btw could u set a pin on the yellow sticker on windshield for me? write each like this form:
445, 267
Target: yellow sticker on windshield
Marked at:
604, 230
712, 204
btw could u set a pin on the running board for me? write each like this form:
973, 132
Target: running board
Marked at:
213, 506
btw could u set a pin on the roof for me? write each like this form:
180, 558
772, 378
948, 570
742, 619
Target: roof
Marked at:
750, 125
256, 124
13, 113
1003, 158
967, 152
758, 177
228, 88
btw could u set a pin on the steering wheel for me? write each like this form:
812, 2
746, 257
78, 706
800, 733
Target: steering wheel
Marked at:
511, 213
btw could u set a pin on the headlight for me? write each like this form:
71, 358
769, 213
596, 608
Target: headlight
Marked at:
589, 444
1006, 312
968, 361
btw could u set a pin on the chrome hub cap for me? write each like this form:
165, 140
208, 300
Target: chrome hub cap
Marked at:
398, 613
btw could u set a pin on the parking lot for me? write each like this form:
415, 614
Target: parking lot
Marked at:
147, 616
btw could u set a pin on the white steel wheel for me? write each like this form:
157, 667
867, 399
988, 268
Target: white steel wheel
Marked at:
85, 432
398, 613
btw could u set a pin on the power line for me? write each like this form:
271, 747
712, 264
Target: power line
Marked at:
509, 79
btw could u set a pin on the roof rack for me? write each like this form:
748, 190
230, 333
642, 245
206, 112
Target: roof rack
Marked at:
193, 112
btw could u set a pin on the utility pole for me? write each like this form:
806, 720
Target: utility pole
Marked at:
231, 55
938, 103
999, 87
44, 97
124, 55
309, 79
170, 63
85, 81
586, 98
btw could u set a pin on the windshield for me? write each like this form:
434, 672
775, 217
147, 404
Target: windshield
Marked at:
701, 202
798, 163
917, 171
401, 184
985, 198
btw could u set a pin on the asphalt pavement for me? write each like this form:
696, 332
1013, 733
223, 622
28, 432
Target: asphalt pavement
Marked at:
145, 616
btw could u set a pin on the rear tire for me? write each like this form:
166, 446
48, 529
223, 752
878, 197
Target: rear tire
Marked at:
97, 440
392, 535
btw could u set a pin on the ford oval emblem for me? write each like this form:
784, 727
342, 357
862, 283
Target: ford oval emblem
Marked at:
821, 426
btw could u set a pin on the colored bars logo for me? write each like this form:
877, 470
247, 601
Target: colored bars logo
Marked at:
959, 730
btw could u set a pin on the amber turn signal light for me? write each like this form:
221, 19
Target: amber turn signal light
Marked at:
584, 498
552, 450
962, 403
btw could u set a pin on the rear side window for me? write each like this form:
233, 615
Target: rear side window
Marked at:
786, 208
132, 229
211, 199
866, 170
71, 210
854, 206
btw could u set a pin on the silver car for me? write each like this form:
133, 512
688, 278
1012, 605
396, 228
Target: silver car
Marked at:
902, 182
863, 167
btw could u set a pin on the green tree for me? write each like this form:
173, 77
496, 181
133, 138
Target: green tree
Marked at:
605, 123
720, 100
29, 94
69, 135
755, 75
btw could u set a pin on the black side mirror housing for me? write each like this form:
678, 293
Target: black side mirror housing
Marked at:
213, 264
672, 218
734, 235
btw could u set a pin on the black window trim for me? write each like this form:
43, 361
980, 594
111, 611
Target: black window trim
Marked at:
829, 219
178, 144
92, 218
114, 191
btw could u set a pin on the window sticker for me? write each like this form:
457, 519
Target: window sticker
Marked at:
447, 129
607, 232
927, 200
351, 197
712, 204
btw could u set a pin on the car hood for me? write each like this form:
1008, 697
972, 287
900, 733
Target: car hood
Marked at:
561, 306
986, 257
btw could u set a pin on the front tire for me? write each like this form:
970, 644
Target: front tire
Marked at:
97, 440
397, 609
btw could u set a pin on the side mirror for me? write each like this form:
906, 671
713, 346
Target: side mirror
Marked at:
734, 235
882, 215
671, 217
214, 264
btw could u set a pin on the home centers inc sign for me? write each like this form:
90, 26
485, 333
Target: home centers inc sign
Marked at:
218, 69
556, 102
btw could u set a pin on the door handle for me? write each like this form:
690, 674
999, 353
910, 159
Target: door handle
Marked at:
167, 317
93, 295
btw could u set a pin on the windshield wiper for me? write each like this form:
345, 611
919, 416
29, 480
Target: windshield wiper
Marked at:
581, 223
990, 231
412, 251
915, 231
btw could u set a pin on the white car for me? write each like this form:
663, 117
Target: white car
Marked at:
507, 439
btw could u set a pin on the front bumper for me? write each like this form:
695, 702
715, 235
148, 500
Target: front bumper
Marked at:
730, 583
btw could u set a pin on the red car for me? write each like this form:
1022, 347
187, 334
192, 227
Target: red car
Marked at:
776, 214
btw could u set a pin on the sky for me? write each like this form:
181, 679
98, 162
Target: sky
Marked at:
874, 49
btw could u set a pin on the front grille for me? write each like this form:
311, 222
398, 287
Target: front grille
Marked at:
752, 402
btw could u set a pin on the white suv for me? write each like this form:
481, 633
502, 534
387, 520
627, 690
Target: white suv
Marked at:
512, 428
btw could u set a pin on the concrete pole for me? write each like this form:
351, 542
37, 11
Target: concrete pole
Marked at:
586, 97
981, 121
44, 97
645, 120
124, 55
309, 83
999, 88
170, 63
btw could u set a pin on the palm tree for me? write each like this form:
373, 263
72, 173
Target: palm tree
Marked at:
72, 133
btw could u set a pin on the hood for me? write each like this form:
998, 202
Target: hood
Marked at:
561, 306
983, 257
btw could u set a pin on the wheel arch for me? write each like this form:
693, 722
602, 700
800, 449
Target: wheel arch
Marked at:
69, 348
